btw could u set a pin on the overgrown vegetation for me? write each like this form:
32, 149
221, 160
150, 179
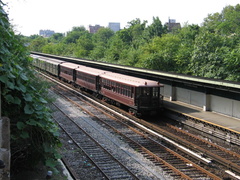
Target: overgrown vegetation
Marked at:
211, 50
34, 137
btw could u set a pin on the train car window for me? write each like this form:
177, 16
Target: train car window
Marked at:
155, 92
129, 91
138, 92
117, 85
146, 91
66, 71
86, 77
107, 84
118, 88
124, 91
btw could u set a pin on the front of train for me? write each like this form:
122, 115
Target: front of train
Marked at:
148, 98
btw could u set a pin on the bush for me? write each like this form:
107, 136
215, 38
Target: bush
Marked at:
34, 136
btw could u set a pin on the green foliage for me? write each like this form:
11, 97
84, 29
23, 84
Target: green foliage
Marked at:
103, 35
84, 46
216, 46
136, 30
155, 29
133, 57
24, 101
73, 35
232, 62
187, 37
100, 40
211, 50
38, 44
56, 38
116, 50
125, 36
160, 54
226, 23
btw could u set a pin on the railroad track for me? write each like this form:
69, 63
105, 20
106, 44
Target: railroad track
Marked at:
225, 157
224, 162
103, 160
176, 171
221, 133
173, 164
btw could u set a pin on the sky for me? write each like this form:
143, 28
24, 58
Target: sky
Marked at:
30, 16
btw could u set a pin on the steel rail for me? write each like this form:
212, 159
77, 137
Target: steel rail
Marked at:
229, 164
149, 152
99, 145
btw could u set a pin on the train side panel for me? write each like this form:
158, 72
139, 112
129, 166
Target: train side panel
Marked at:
119, 92
88, 78
67, 71
45, 64
141, 95
52, 68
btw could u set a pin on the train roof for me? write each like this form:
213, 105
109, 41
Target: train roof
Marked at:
53, 62
89, 70
130, 80
50, 60
70, 65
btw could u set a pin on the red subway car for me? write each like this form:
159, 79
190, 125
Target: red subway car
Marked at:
88, 78
142, 96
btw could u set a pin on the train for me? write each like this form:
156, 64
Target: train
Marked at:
139, 96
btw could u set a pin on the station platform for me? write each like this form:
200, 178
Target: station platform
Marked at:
221, 120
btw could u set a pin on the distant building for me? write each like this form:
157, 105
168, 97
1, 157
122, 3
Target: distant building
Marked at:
94, 29
46, 33
172, 25
114, 26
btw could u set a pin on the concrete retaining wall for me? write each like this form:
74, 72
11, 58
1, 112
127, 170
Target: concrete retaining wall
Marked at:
5, 147
225, 106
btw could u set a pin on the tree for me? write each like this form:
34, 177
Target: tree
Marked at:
160, 53
57, 37
37, 44
116, 46
101, 39
125, 36
232, 62
84, 46
227, 22
136, 29
155, 29
208, 55
216, 46
74, 35
103, 35
209, 50
187, 35
230, 22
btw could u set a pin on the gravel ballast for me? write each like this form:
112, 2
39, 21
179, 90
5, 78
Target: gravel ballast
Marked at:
112, 142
